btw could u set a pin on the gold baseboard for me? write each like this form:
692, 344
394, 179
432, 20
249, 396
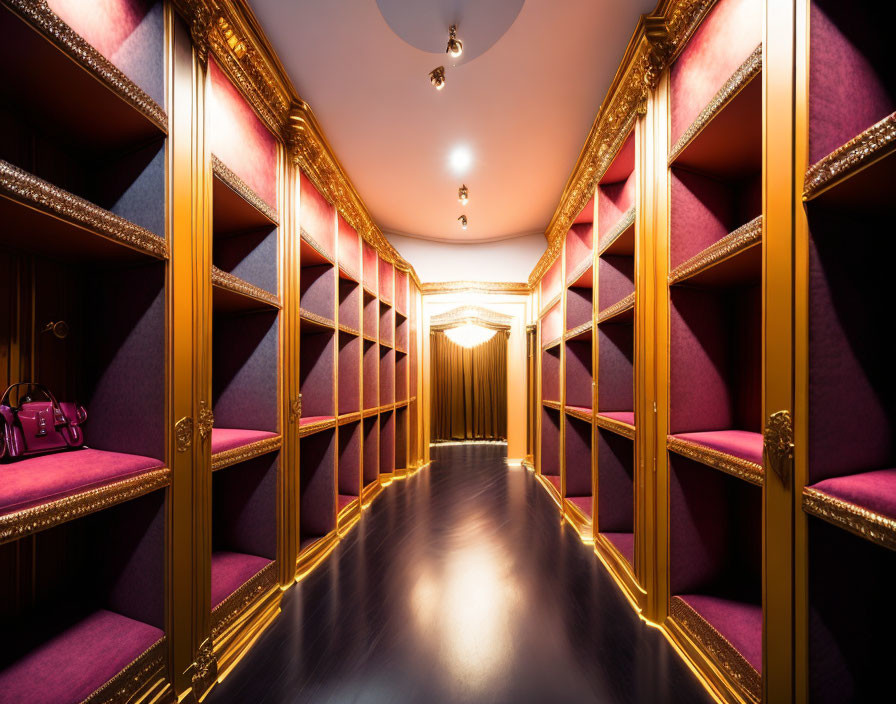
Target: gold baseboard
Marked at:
621, 572
312, 556
552, 491
348, 518
232, 644
580, 522
371, 491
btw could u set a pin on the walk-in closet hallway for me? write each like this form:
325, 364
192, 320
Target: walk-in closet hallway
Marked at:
461, 585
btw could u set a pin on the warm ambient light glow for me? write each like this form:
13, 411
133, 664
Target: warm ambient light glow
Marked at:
461, 159
455, 46
463, 222
469, 335
437, 77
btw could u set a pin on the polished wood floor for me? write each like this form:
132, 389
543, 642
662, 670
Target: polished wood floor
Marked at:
460, 585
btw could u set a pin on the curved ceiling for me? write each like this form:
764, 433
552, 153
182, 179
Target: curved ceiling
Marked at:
522, 108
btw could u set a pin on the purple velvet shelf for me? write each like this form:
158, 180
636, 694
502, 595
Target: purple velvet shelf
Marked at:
231, 570
73, 663
624, 544
583, 503
738, 452
44, 486
227, 442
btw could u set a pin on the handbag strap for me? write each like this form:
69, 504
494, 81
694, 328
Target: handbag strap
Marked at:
5, 400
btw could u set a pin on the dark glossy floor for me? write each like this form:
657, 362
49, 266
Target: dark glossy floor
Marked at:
460, 585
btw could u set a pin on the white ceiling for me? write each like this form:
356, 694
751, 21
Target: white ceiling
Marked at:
523, 108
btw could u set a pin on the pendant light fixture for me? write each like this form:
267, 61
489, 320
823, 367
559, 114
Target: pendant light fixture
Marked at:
463, 195
455, 46
437, 77
463, 222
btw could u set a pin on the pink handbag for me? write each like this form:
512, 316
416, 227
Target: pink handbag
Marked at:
39, 423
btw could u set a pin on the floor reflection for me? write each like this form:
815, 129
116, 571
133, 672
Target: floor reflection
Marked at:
460, 585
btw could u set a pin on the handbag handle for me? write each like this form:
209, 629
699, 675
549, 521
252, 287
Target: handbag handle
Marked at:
5, 400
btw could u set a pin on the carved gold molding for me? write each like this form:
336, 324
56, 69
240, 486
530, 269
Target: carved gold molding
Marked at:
725, 655
315, 318
617, 308
206, 420
243, 189
735, 466
316, 427
19, 185
205, 667
228, 281
133, 677
552, 404
857, 520
39, 15
477, 315
625, 222
734, 242
37, 518
581, 414
578, 330
508, 287
348, 329
777, 444
245, 452
874, 143
615, 426
183, 434
229, 609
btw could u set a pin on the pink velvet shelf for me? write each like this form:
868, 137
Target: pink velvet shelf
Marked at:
231, 570
619, 422
232, 445
307, 421
624, 544
863, 503
72, 664
737, 452
583, 503
43, 484
581, 410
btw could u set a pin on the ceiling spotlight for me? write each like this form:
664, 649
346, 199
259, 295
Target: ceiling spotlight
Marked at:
437, 77
455, 45
463, 195
463, 222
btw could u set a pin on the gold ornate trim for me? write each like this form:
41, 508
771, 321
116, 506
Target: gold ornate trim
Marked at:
243, 189
316, 246
550, 304
370, 412
615, 426
509, 287
183, 434
205, 668
39, 15
725, 655
552, 343
349, 330
229, 282
315, 318
37, 518
587, 416
733, 243
478, 315
871, 145
578, 330
369, 338
857, 520
777, 444
348, 418
352, 275
206, 420
229, 609
745, 73
625, 222
585, 265
316, 427
552, 404
133, 677
23, 187
618, 308
245, 452
735, 466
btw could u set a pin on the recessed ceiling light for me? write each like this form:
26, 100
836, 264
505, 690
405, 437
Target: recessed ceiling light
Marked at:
437, 77
455, 46
463, 222
461, 158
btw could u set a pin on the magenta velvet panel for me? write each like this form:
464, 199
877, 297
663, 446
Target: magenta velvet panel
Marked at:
387, 442
550, 374
613, 201
129, 33
349, 468
551, 281
852, 382
715, 533
37, 480
578, 374
251, 256
317, 286
724, 40
850, 635
401, 291
740, 623
715, 359
244, 507
245, 350
317, 483
579, 246
371, 374
349, 304
370, 266
578, 457
77, 660
550, 441
401, 438
875, 491
349, 248
371, 449
387, 324
615, 350
124, 355
317, 216
583, 503
578, 306
386, 281
739, 443
239, 138
349, 378
316, 374
231, 570
624, 543
852, 85
224, 439
401, 376
615, 490
616, 279
371, 315
387, 376
401, 332
622, 416
552, 324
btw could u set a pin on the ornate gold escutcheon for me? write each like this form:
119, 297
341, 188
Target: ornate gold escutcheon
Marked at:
183, 434
778, 444
205, 667
206, 420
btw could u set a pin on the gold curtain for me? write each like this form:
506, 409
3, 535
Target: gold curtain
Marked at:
469, 389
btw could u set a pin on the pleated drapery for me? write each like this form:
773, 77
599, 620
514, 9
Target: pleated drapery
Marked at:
469, 389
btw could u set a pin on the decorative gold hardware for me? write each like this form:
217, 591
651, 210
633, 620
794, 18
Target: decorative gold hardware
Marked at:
183, 433
206, 420
205, 667
59, 329
295, 409
778, 444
